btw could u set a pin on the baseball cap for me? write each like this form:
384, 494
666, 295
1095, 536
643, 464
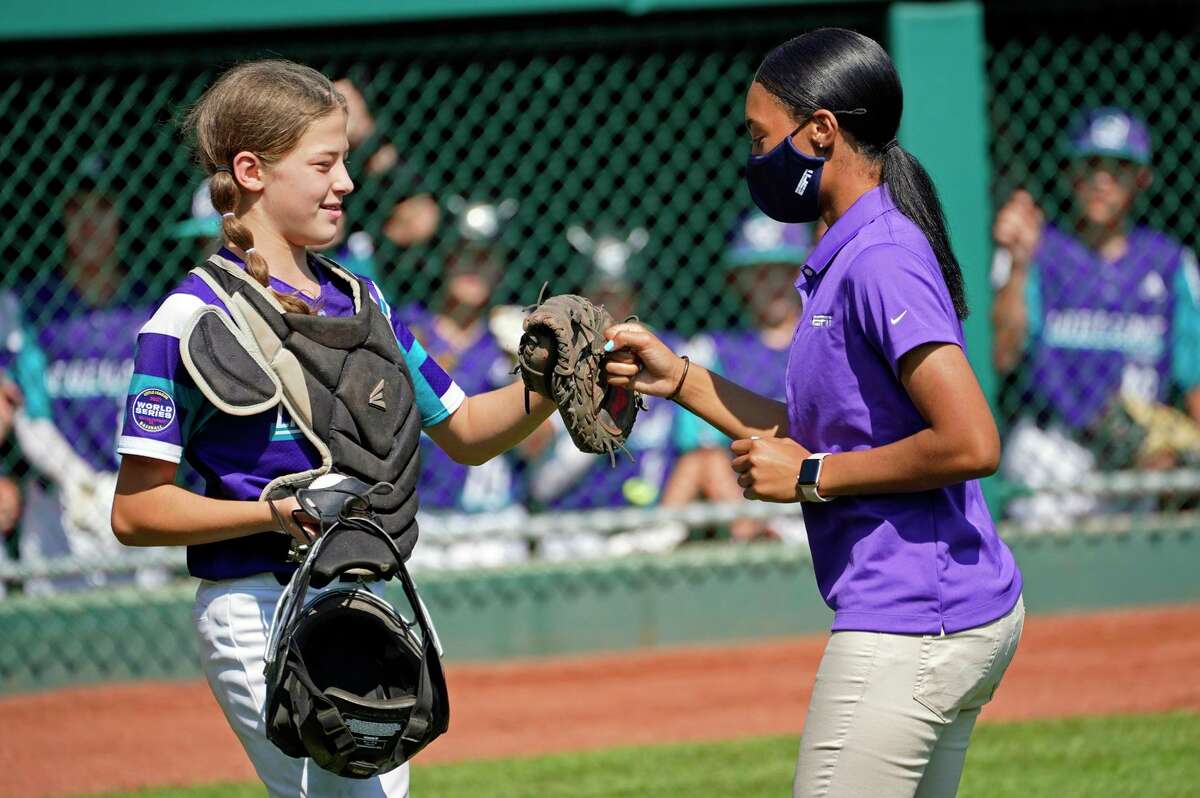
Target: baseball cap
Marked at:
1110, 131
204, 222
760, 239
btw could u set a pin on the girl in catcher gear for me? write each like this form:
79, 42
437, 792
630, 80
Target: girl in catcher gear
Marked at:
884, 434
272, 135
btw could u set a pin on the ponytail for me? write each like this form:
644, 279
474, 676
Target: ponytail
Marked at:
225, 194
835, 68
916, 197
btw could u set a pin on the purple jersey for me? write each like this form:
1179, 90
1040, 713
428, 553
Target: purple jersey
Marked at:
1102, 328
167, 418
480, 367
906, 563
88, 358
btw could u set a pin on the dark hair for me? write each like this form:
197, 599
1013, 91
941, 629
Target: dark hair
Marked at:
850, 74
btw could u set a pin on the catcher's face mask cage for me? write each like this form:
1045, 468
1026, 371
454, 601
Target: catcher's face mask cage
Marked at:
351, 683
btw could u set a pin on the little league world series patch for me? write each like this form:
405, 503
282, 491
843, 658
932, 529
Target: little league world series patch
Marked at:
153, 410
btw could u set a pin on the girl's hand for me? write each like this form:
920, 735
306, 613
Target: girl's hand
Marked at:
640, 361
291, 520
768, 468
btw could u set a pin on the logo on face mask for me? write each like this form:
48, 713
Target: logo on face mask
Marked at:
803, 184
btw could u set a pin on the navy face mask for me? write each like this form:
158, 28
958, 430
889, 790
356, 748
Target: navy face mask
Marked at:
785, 183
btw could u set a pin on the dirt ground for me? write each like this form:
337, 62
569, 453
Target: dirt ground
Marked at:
122, 736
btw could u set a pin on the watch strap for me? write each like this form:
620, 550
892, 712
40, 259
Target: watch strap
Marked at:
808, 488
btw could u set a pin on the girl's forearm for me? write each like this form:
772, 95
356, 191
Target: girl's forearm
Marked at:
168, 515
736, 411
488, 424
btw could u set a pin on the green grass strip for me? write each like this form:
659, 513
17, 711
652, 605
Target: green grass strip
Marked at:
1135, 755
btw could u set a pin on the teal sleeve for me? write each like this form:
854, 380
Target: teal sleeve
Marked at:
29, 372
1033, 301
1185, 339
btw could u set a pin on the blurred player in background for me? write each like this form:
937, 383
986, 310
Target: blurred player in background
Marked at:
1103, 316
457, 334
763, 262
78, 361
561, 477
392, 204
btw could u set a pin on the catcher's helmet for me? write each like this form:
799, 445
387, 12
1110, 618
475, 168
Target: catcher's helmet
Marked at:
350, 682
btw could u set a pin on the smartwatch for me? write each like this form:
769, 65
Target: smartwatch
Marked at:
810, 476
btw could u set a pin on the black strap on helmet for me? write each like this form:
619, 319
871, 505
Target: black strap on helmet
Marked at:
349, 682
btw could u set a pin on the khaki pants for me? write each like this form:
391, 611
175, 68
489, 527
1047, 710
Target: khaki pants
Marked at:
891, 715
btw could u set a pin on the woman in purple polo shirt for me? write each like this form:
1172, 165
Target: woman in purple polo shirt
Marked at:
884, 433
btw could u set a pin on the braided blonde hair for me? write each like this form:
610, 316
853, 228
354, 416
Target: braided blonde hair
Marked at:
263, 107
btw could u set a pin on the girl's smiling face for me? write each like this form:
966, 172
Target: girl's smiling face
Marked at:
302, 192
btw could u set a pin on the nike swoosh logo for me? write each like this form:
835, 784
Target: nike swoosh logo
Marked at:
897, 319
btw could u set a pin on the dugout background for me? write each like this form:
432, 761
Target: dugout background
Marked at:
600, 116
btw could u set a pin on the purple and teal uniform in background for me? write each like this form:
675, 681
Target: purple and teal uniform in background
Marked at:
167, 418
905, 563
20, 359
639, 475
1100, 328
83, 360
483, 366
742, 357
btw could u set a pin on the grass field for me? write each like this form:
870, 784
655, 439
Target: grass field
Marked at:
1143, 756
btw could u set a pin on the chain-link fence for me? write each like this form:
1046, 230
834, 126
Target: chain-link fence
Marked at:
604, 155
599, 154
1097, 306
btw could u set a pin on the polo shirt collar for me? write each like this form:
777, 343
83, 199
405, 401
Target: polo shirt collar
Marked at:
865, 209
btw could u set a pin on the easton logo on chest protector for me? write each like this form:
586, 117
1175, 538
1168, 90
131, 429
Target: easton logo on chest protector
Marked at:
251, 356
376, 399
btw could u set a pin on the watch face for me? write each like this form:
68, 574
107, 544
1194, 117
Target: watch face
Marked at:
808, 472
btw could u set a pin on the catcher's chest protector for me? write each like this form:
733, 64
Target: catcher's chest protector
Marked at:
343, 380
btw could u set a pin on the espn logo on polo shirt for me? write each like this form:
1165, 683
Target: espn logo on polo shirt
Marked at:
153, 410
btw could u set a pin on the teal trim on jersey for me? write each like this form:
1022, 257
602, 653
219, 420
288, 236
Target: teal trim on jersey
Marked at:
429, 404
287, 432
1185, 339
29, 372
1033, 302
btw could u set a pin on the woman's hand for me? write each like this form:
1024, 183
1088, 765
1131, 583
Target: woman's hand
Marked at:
768, 468
640, 361
293, 521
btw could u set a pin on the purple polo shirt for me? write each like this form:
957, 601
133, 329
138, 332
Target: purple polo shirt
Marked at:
907, 563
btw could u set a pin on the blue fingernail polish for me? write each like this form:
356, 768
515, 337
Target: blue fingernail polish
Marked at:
608, 347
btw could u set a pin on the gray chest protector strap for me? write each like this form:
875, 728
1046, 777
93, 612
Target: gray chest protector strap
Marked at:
343, 381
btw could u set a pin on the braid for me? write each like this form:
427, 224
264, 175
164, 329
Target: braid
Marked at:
225, 193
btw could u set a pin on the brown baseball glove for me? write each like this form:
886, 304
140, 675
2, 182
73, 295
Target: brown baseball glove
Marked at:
561, 356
